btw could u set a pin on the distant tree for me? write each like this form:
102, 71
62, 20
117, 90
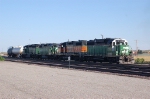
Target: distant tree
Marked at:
140, 52
1, 58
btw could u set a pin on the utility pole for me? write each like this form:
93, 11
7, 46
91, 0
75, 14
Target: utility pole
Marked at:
102, 36
29, 41
136, 47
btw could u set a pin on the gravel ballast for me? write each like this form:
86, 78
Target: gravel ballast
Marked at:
21, 81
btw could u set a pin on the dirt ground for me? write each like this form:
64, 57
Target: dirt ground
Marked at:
21, 81
146, 57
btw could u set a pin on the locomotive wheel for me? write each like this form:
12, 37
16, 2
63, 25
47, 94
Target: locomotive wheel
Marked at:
122, 61
133, 61
94, 61
110, 61
76, 59
100, 61
88, 59
80, 59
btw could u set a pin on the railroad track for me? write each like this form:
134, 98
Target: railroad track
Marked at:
140, 71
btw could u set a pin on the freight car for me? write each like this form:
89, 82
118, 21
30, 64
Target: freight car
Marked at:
15, 51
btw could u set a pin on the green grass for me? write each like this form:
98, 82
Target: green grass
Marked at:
1, 58
142, 59
146, 58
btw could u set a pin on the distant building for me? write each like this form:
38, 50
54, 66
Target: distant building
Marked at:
134, 53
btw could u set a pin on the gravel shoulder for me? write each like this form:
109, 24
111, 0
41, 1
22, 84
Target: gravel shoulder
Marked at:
21, 81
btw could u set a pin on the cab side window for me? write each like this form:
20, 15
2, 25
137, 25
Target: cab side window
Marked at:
113, 43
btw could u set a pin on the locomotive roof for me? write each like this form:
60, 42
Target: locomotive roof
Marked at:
79, 42
101, 41
32, 45
49, 44
35, 44
27, 45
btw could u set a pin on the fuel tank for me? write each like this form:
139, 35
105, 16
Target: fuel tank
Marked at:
17, 50
9, 51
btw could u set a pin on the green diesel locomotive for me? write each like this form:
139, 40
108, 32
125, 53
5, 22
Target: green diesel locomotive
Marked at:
109, 50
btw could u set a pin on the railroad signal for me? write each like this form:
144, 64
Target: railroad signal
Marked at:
69, 58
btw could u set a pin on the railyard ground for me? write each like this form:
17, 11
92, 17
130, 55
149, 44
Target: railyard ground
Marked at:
21, 81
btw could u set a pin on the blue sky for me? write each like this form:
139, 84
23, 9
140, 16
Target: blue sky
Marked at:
34, 21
